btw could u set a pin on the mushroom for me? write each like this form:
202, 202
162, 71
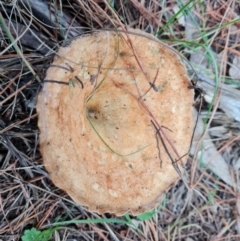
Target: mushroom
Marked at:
114, 112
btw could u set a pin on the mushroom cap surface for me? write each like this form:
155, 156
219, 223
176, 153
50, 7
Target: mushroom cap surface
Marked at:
105, 134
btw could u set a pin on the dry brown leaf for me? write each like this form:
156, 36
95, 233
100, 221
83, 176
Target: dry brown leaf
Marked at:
210, 156
234, 70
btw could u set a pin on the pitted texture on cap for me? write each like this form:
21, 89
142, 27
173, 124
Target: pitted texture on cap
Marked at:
99, 143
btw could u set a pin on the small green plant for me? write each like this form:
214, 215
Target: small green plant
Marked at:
146, 216
31, 234
35, 235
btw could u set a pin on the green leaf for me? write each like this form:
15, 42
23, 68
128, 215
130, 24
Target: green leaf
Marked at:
146, 216
127, 217
30, 234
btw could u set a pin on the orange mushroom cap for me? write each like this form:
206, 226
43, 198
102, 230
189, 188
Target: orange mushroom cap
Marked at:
108, 136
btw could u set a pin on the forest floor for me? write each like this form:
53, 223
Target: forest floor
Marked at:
207, 33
